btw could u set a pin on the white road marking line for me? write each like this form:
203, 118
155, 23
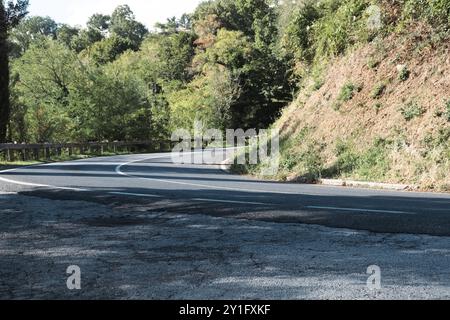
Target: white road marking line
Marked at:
356, 210
230, 201
168, 155
29, 184
120, 172
135, 194
18, 168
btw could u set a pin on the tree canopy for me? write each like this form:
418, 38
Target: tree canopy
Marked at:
231, 63
11, 13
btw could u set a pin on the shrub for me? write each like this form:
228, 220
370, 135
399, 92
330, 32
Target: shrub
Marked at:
294, 28
370, 164
439, 113
289, 161
378, 90
318, 84
372, 63
412, 110
339, 27
404, 73
435, 12
347, 159
348, 91
374, 163
378, 107
313, 161
447, 110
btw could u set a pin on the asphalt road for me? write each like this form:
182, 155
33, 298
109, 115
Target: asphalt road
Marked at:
206, 189
141, 227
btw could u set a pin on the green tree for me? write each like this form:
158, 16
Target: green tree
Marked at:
295, 24
100, 23
242, 35
11, 13
107, 50
66, 35
123, 23
84, 39
174, 25
207, 98
175, 53
31, 29
45, 74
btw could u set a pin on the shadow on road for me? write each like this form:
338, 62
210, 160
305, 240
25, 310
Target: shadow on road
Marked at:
146, 249
416, 215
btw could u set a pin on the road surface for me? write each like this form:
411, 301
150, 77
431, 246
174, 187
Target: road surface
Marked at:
140, 226
210, 190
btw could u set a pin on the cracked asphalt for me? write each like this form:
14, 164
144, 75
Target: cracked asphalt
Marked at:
142, 228
129, 251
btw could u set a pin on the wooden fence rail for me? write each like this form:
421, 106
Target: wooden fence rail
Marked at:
44, 151
38, 151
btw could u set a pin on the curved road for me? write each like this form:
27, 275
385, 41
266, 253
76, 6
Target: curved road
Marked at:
206, 189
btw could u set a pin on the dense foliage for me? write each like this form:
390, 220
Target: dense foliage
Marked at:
232, 63
11, 13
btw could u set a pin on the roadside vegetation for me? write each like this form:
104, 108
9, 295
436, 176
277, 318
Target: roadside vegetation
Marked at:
115, 80
370, 117
358, 88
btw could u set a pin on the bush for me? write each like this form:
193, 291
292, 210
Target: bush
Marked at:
313, 161
378, 107
371, 164
373, 63
347, 159
411, 111
289, 162
447, 110
435, 12
378, 90
348, 91
318, 84
340, 26
374, 163
295, 37
404, 74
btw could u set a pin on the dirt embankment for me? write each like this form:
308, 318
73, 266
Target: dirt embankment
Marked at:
398, 91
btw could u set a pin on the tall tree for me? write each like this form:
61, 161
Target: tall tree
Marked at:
99, 22
29, 30
123, 23
66, 35
11, 12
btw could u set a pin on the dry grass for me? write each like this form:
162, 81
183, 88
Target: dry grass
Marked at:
359, 121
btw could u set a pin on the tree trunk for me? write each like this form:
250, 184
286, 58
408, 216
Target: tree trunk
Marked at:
4, 74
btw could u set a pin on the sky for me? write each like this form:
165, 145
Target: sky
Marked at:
77, 12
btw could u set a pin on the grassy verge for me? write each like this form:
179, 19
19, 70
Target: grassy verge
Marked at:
5, 165
310, 161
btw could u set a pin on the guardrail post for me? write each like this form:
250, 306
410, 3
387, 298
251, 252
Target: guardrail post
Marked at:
36, 154
8, 155
47, 153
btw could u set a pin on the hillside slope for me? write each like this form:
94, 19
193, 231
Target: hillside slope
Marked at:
380, 113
